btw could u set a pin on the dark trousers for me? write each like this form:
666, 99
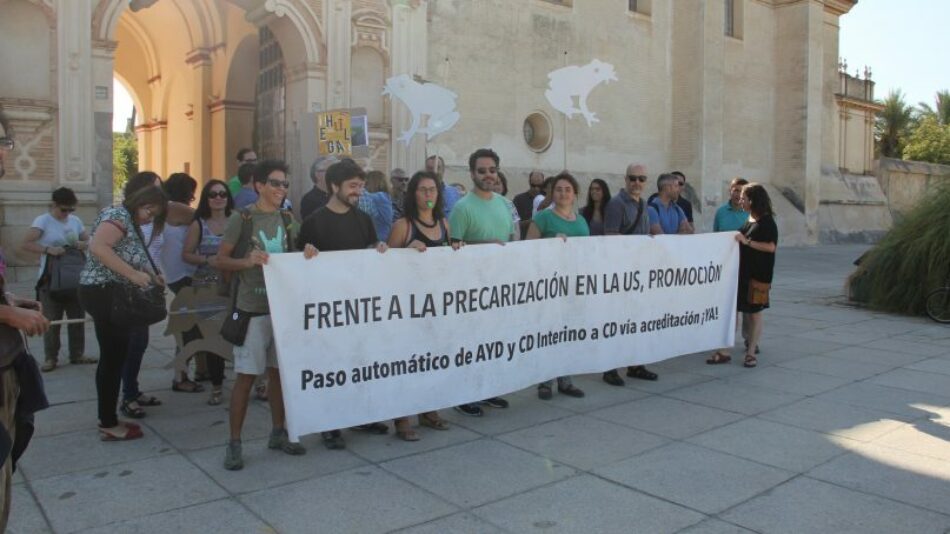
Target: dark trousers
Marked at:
53, 310
113, 350
138, 342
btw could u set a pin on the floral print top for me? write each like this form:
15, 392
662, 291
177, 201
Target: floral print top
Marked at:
129, 249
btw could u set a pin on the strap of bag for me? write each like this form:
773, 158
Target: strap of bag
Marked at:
138, 234
636, 220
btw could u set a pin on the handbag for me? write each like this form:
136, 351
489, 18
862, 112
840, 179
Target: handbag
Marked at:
137, 306
64, 274
758, 292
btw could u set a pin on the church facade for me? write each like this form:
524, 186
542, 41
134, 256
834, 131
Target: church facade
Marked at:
712, 88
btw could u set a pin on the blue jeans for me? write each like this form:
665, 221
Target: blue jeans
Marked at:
138, 342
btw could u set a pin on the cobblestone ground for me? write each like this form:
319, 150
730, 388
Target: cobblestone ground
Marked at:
844, 426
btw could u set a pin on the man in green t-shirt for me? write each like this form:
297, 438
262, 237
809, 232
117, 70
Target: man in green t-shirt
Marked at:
482, 216
260, 230
245, 155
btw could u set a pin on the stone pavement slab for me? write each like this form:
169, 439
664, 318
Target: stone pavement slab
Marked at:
844, 426
364, 500
805, 505
587, 504
695, 477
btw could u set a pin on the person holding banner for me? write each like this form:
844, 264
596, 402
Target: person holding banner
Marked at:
598, 194
341, 225
758, 240
482, 216
262, 230
423, 226
626, 214
560, 221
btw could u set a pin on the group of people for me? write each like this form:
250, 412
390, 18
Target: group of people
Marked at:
155, 238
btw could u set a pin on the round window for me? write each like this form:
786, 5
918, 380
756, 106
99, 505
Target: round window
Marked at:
537, 131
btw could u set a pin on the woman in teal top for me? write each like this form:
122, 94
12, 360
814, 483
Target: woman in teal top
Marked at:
560, 221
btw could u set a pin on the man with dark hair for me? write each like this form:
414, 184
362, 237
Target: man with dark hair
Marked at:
450, 195
317, 197
482, 216
244, 156
626, 214
247, 195
730, 216
398, 179
19, 379
666, 217
256, 232
341, 225
525, 201
59, 236
680, 200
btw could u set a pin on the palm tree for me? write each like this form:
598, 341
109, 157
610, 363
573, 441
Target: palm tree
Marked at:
892, 125
942, 110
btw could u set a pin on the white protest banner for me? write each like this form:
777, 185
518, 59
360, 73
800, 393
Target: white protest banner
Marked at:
363, 336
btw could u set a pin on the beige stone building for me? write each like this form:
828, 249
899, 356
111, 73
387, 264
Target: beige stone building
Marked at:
714, 88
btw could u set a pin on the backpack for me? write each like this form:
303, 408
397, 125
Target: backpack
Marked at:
64, 273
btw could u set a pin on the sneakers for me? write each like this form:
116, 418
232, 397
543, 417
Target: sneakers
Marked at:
333, 440
233, 458
641, 372
373, 428
613, 378
472, 410
571, 391
495, 402
544, 392
279, 440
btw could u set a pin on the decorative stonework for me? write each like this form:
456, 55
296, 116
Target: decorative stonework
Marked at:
34, 122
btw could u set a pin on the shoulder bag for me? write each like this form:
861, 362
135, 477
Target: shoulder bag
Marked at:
136, 306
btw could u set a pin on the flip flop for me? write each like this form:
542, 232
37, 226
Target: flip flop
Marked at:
719, 358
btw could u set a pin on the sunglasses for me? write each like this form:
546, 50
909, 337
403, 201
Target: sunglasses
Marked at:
220, 194
637, 177
490, 170
278, 183
66, 209
7, 143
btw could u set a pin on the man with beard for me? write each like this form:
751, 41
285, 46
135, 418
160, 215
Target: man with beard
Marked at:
626, 214
340, 225
482, 216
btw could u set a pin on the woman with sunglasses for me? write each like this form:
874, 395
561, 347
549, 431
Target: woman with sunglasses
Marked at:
200, 249
53, 235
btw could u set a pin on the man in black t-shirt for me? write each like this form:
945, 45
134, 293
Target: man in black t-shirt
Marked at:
340, 225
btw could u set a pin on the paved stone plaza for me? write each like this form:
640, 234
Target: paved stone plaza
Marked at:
843, 427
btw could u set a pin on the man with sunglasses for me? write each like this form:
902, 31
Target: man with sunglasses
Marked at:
482, 216
525, 201
52, 235
269, 230
666, 217
626, 214
398, 180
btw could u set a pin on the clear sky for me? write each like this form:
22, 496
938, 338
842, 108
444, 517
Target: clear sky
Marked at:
905, 42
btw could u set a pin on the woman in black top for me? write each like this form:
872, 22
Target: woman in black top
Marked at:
423, 225
598, 195
757, 239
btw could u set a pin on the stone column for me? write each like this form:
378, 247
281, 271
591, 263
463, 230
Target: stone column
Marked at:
85, 112
409, 55
339, 51
814, 86
708, 185
200, 60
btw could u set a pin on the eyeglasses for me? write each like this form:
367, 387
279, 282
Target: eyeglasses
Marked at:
7, 143
278, 183
489, 170
639, 177
400, 178
220, 194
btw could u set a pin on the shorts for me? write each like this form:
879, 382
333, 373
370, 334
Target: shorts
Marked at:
258, 351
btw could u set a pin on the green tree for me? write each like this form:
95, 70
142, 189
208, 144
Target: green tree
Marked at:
941, 109
892, 125
929, 142
125, 160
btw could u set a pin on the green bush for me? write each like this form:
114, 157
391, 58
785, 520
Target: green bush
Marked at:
910, 261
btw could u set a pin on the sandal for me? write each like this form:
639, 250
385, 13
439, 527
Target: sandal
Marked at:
641, 372
131, 408
718, 358
147, 400
404, 431
131, 432
187, 386
750, 361
215, 398
432, 420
